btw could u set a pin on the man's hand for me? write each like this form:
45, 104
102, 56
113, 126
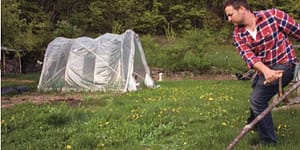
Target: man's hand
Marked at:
270, 75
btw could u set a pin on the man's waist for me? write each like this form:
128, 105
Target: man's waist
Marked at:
288, 62
283, 65
290, 65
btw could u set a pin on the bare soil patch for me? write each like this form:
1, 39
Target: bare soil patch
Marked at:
197, 77
38, 98
74, 99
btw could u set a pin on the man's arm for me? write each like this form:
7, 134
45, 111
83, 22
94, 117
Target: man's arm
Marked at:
288, 24
270, 75
245, 51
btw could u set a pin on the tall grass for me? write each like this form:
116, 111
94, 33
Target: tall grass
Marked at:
225, 59
195, 50
178, 115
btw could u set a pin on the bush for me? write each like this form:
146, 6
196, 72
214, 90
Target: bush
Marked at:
186, 53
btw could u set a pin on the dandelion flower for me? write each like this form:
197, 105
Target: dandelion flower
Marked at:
69, 147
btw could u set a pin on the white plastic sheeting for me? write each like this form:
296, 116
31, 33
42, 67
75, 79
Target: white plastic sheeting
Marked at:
109, 62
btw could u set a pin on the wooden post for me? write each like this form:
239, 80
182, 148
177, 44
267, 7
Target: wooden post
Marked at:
20, 64
4, 68
298, 74
298, 77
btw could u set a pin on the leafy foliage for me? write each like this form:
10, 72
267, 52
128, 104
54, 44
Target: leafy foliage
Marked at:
32, 24
184, 53
65, 29
11, 24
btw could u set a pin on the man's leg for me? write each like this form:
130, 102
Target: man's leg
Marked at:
251, 118
260, 97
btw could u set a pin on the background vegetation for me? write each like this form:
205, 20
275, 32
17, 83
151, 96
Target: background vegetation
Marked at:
176, 36
187, 28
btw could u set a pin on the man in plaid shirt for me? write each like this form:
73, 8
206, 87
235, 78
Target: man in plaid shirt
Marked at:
261, 38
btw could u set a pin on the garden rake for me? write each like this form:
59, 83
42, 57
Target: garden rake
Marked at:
281, 97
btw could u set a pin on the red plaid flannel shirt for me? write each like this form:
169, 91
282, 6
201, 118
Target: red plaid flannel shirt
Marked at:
272, 45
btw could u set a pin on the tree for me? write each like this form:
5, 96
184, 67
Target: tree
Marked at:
65, 29
37, 29
11, 24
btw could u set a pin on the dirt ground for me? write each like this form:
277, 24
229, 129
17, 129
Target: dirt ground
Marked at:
189, 75
76, 99
38, 98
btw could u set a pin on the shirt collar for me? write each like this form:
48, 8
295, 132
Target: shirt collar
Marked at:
257, 15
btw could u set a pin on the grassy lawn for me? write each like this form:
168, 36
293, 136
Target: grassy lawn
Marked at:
225, 58
30, 80
179, 115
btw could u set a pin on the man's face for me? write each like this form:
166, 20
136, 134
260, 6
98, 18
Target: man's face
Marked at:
235, 16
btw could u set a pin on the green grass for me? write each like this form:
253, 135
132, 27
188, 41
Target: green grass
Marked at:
225, 58
30, 80
179, 115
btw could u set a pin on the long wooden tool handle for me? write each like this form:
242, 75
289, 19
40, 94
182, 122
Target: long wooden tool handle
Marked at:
280, 87
248, 127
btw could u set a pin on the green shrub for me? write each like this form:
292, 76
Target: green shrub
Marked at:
194, 50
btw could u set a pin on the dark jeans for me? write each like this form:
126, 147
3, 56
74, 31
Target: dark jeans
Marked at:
260, 97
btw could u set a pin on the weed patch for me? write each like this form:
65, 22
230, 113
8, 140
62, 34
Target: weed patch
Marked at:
184, 114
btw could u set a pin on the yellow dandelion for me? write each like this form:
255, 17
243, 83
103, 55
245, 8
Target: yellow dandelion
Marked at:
68, 147
279, 126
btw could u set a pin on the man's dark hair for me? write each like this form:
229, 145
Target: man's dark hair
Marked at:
236, 4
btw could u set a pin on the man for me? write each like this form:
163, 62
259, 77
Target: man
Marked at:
261, 38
